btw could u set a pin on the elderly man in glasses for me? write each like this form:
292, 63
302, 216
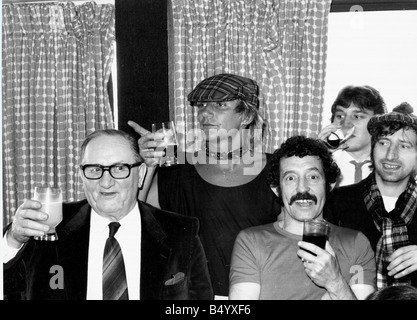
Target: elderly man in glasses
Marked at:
110, 246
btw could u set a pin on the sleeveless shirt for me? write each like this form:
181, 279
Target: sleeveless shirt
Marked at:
222, 212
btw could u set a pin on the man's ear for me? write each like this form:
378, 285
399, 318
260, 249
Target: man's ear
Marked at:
143, 169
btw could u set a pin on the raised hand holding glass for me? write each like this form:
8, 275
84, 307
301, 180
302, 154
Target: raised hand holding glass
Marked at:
170, 138
51, 199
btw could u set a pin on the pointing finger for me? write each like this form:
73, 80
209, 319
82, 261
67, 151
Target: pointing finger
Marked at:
142, 131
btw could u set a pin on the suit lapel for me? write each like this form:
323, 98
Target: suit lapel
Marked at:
155, 255
73, 252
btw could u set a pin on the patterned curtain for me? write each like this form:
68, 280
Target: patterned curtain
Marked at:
279, 43
56, 63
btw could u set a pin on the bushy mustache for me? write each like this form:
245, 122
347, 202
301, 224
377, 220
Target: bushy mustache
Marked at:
303, 196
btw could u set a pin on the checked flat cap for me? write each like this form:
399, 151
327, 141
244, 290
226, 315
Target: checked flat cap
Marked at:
402, 114
225, 87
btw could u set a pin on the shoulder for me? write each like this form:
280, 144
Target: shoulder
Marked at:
176, 173
70, 209
256, 231
346, 191
268, 156
348, 236
74, 206
168, 220
346, 196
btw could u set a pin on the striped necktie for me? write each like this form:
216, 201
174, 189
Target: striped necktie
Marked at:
358, 169
114, 274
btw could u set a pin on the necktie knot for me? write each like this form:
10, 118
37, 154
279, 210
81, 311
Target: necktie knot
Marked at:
358, 169
359, 164
113, 226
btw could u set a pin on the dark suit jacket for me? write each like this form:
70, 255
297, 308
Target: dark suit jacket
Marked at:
170, 246
346, 207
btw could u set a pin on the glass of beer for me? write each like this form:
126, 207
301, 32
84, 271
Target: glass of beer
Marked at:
170, 138
316, 232
337, 138
51, 199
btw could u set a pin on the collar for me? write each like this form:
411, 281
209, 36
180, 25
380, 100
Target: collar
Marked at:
235, 154
129, 221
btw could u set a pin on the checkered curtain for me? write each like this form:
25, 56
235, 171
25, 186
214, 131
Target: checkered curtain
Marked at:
56, 61
279, 43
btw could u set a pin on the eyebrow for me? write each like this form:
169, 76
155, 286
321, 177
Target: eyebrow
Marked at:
402, 140
308, 170
355, 110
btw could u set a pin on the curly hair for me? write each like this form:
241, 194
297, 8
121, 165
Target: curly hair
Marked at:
301, 146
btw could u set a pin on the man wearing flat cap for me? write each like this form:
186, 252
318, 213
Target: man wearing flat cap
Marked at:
383, 206
223, 184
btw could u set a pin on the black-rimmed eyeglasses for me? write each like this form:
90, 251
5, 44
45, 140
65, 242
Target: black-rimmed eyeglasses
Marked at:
117, 171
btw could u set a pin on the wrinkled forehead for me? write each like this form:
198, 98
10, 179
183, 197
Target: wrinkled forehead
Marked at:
300, 164
107, 150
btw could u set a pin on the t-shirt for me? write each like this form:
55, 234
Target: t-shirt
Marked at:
267, 255
222, 212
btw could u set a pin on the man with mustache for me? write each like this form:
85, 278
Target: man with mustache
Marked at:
271, 262
384, 204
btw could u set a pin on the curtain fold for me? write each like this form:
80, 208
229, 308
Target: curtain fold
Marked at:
279, 43
56, 64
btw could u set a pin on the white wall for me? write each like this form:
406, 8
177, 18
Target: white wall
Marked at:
376, 48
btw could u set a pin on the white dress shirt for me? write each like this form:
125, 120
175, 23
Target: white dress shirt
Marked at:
129, 238
347, 176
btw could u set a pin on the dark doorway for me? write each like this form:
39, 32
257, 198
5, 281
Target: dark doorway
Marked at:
142, 55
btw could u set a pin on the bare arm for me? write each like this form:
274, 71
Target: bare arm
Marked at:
150, 179
147, 146
245, 291
152, 196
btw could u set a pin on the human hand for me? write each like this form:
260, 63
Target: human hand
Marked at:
27, 222
322, 268
324, 135
151, 145
403, 261
326, 131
